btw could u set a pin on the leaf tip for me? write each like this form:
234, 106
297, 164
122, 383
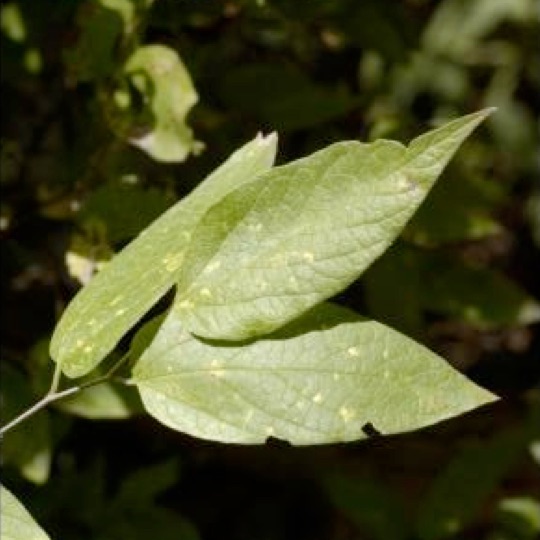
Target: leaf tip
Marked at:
267, 140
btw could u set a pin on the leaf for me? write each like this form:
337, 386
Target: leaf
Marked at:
457, 26
142, 486
482, 297
134, 513
124, 210
388, 302
459, 208
320, 379
520, 517
100, 23
370, 506
438, 283
118, 296
16, 522
447, 507
302, 232
168, 95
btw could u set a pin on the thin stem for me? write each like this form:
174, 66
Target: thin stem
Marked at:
42, 403
55, 380
53, 394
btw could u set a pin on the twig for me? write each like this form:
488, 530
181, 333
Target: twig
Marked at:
53, 395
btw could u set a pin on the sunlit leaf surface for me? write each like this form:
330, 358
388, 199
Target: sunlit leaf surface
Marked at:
329, 376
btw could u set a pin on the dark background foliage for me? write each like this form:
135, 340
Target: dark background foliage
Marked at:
462, 278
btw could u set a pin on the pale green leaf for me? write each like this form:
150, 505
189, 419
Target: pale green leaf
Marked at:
320, 379
520, 515
303, 232
16, 523
168, 95
118, 296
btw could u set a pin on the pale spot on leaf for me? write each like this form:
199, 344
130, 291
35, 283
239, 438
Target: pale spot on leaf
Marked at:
353, 351
214, 265
346, 414
172, 261
317, 398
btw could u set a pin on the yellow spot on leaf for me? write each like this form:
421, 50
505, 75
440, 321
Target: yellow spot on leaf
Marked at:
172, 261
317, 398
353, 351
214, 265
346, 414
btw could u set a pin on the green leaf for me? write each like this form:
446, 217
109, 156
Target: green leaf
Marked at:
520, 517
373, 508
124, 210
441, 283
482, 297
100, 24
398, 307
134, 513
167, 95
456, 27
302, 232
16, 523
118, 296
320, 379
447, 507
459, 208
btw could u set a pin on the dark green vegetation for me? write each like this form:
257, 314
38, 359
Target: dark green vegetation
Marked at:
99, 137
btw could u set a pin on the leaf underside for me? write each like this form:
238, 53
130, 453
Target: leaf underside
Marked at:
118, 296
302, 232
320, 379
16, 523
